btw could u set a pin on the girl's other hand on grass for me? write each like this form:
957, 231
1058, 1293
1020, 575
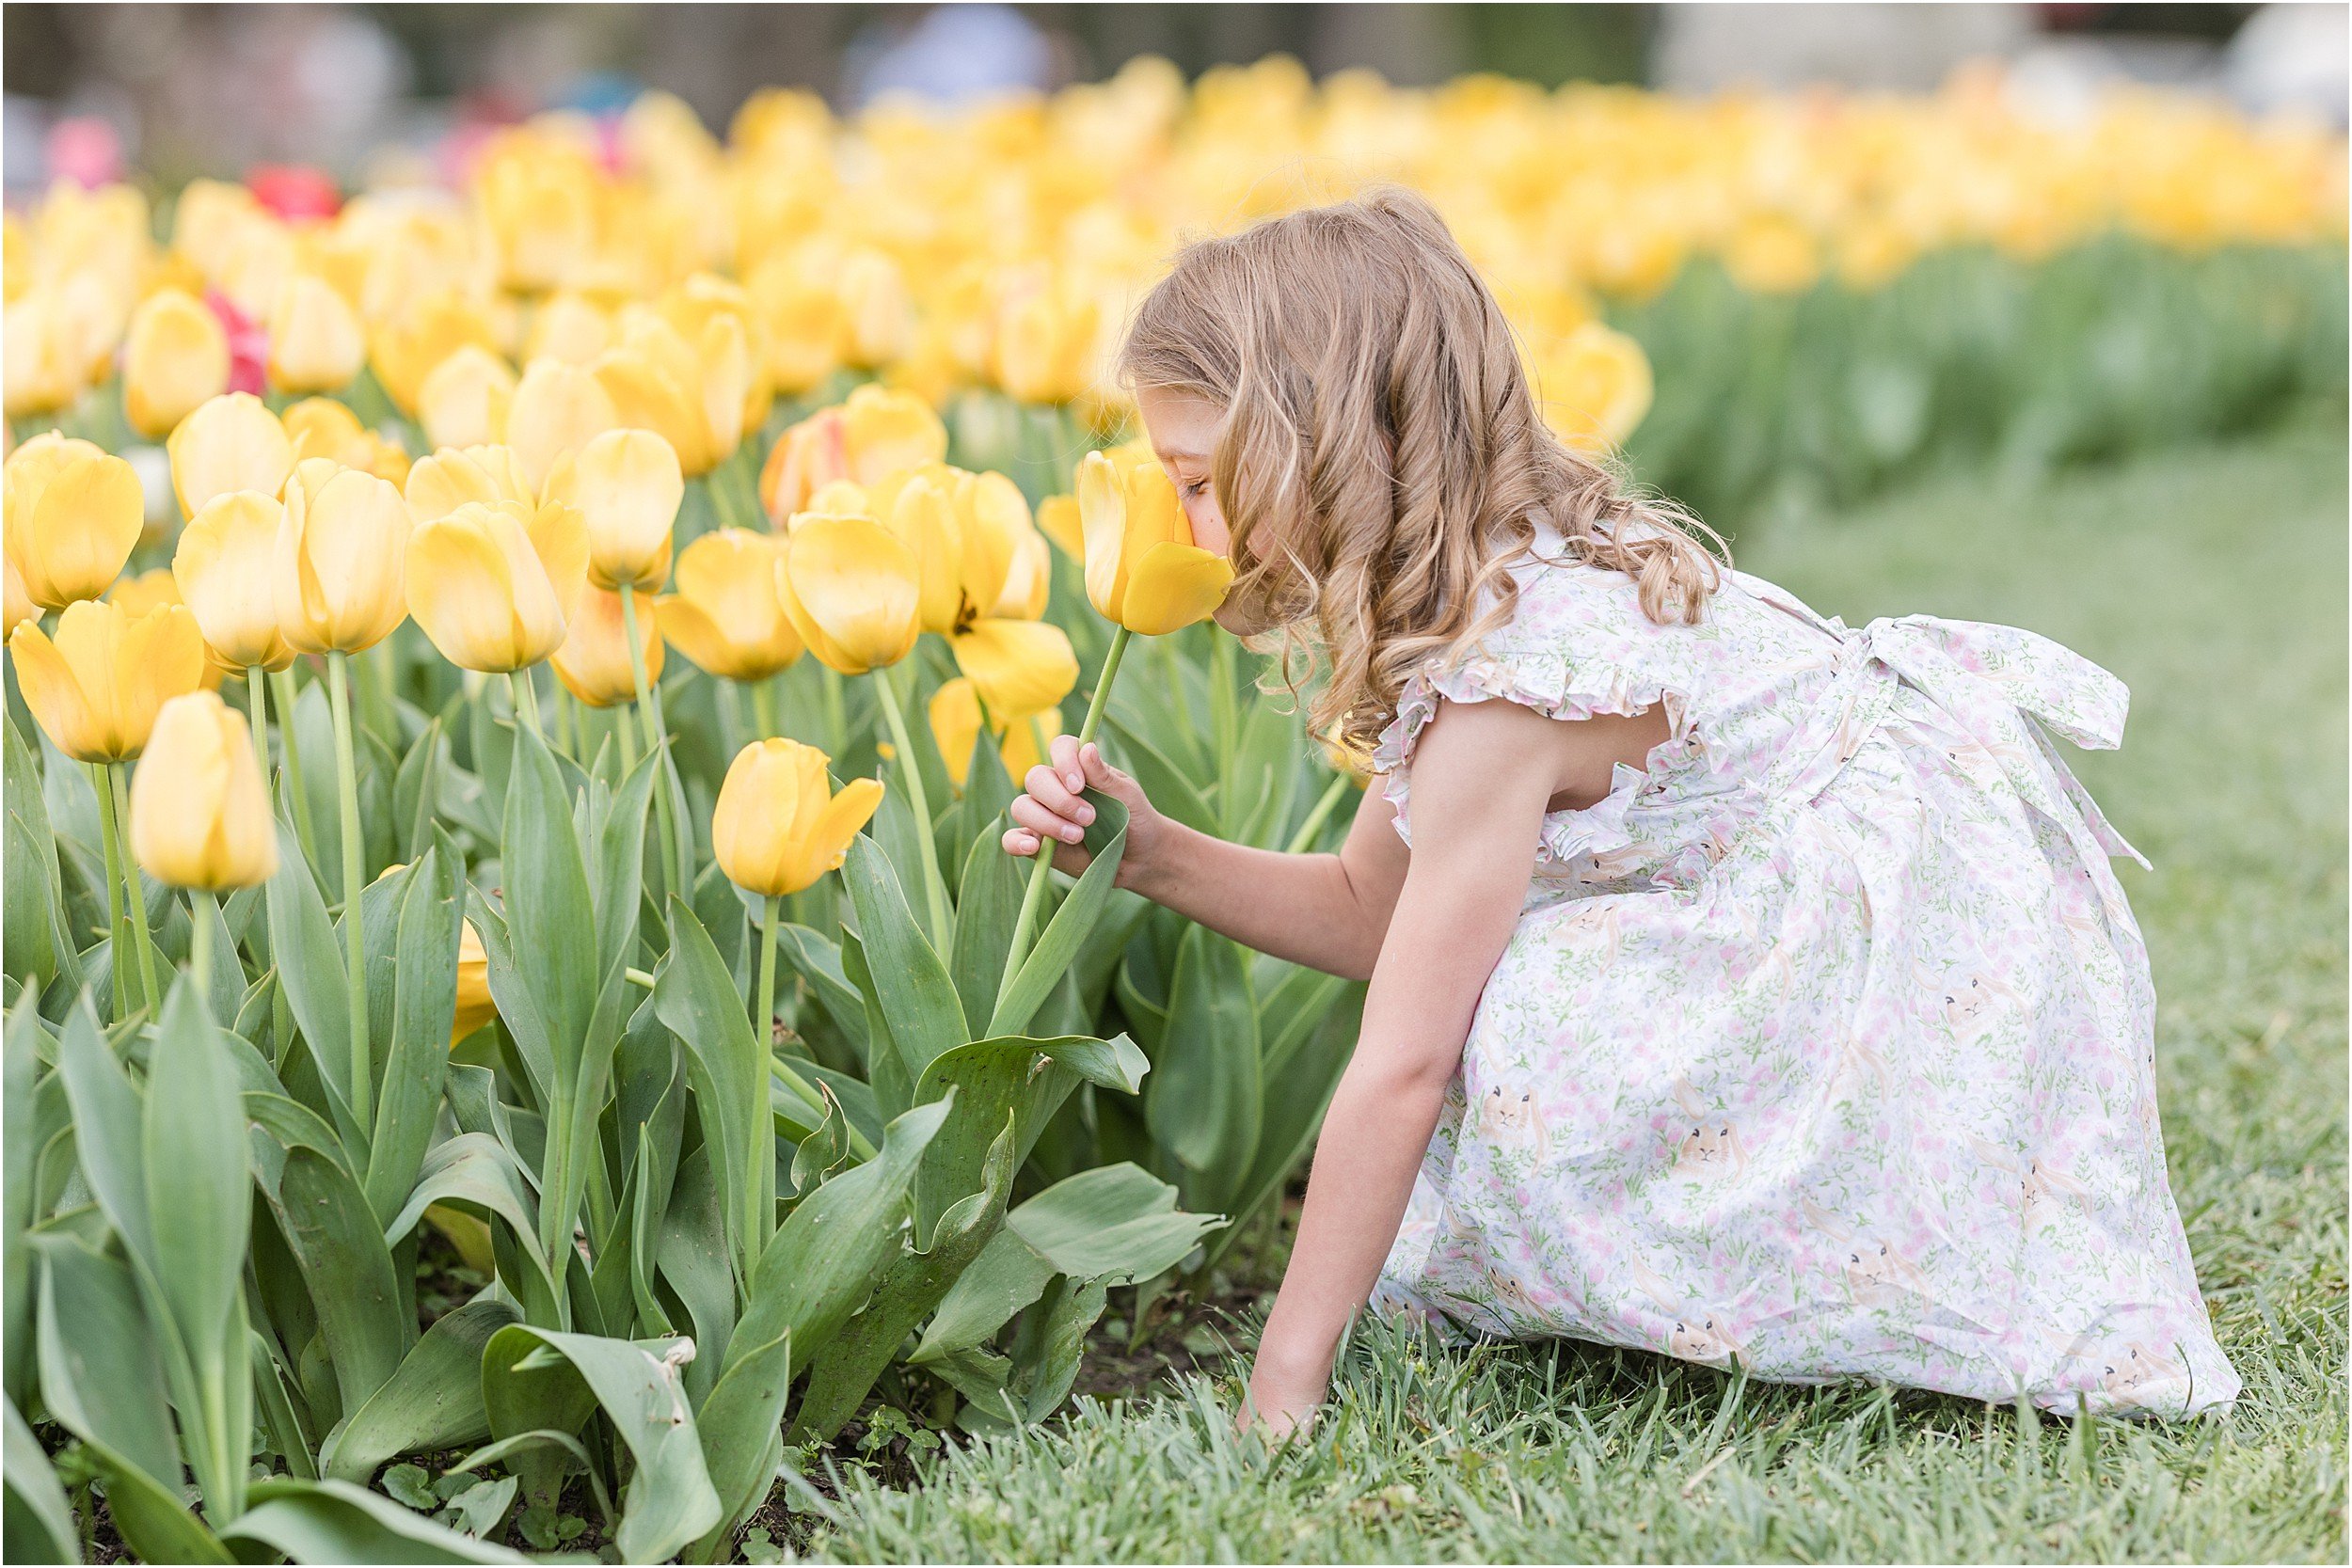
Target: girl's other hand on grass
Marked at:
1052, 805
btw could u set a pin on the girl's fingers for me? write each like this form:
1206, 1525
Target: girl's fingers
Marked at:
1020, 843
1028, 813
1064, 750
1046, 788
1099, 774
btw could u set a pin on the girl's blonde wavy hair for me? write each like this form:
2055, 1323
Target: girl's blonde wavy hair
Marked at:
1382, 461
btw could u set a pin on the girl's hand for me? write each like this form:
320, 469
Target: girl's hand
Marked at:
1052, 807
1280, 1404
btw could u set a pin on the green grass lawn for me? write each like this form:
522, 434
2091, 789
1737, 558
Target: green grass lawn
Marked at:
2213, 582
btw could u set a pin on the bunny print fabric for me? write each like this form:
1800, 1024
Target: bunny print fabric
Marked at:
1823, 1045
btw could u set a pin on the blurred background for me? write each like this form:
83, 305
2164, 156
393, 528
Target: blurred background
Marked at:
184, 91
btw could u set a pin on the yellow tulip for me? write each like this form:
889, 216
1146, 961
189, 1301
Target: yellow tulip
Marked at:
808, 327
174, 358
1595, 387
475, 1006
96, 688
851, 590
1029, 581
199, 810
592, 664
1045, 346
222, 570
1017, 666
1142, 568
727, 616
337, 573
316, 341
321, 427
922, 513
955, 714
407, 350
778, 827
875, 434
1773, 255
882, 316
231, 442
46, 369
570, 327
439, 485
72, 517
465, 400
628, 487
556, 408
493, 584
692, 392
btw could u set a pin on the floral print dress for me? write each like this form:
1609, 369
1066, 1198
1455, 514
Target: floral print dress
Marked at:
1823, 1044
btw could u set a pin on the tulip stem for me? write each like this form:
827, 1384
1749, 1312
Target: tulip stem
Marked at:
649, 702
926, 836
764, 709
287, 692
526, 700
624, 731
133, 885
1033, 897
202, 912
355, 884
762, 1153
114, 852
257, 713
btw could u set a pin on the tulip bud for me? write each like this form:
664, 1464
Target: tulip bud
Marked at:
73, 516
627, 486
1142, 568
465, 400
44, 369
409, 348
493, 585
337, 573
439, 485
852, 591
199, 810
96, 687
231, 442
316, 342
778, 827
174, 358
954, 715
556, 408
592, 664
222, 568
727, 616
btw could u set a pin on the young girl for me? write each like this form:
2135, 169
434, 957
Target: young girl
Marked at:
1757, 988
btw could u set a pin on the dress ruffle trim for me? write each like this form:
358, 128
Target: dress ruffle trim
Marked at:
1557, 688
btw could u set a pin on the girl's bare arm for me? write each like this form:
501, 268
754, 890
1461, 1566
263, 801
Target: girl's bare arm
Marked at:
1325, 911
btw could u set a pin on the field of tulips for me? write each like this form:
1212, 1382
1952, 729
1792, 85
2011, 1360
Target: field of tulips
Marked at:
515, 677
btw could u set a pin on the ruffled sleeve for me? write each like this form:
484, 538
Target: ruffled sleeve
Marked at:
1557, 687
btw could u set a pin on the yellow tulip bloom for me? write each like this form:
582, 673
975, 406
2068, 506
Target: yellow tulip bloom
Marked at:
1594, 385
72, 517
1017, 666
231, 442
627, 486
407, 349
465, 400
152, 590
570, 327
322, 427
174, 358
439, 485
727, 616
338, 576
19, 604
493, 585
475, 1006
96, 688
954, 715
45, 368
778, 827
556, 408
851, 590
1142, 568
592, 664
875, 434
222, 570
316, 341
922, 513
199, 809
1058, 519
1045, 346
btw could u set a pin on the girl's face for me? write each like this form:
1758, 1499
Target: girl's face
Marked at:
1182, 428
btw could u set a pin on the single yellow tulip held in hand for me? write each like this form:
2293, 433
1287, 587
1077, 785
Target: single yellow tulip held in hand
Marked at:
1143, 572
